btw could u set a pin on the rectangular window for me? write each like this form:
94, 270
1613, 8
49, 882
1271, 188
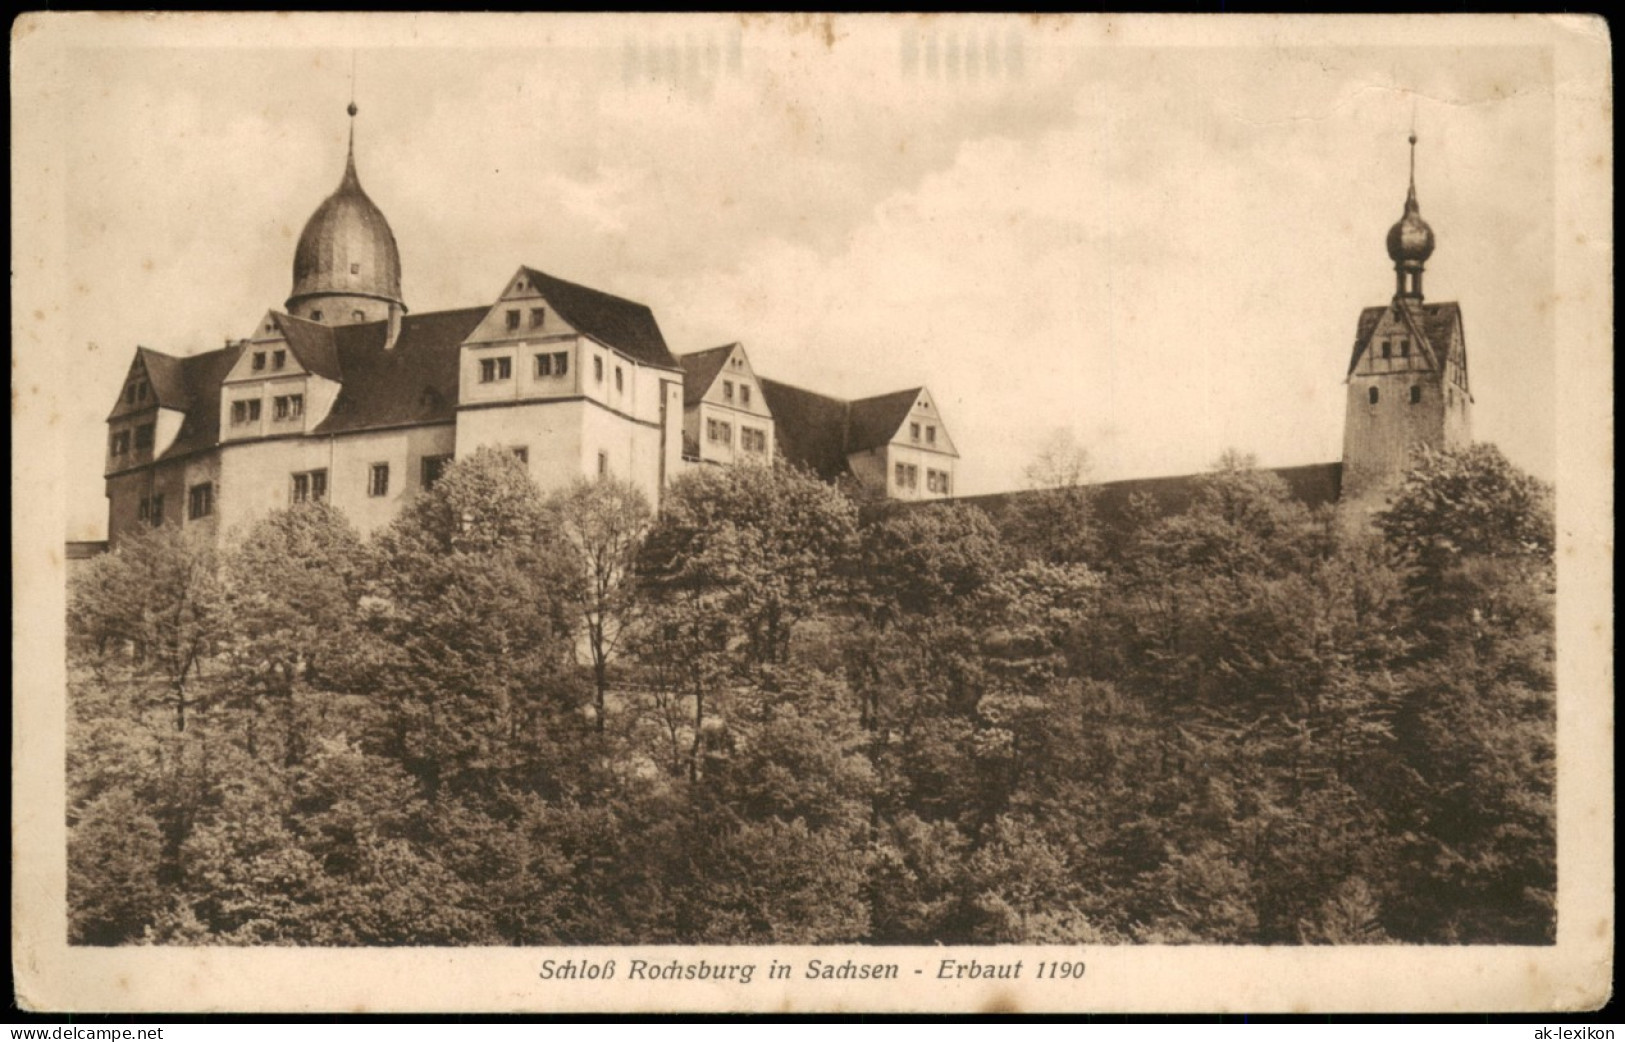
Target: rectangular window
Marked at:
513, 320
296, 407
914, 432
279, 408
930, 435
598, 369
727, 390
129, 395
144, 511
279, 359
157, 510
1387, 349
1416, 394
537, 316
744, 394
378, 480
1405, 348
603, 464
494, 370
620, 384
522, 454
259, 361
200, 501
120, 444
899, 475
544, 365
561, 363
143, 435
433, 467
239, 413
311, 485
752, 440
936, 481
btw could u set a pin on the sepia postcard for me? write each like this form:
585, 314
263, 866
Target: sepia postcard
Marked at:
812, 513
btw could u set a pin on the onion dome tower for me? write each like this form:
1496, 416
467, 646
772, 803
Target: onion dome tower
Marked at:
346, 268
1410, 242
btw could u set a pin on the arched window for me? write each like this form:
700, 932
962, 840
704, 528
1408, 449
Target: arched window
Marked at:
1416, 393
1372, 394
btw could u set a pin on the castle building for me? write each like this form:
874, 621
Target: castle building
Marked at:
1407, 377
348, 397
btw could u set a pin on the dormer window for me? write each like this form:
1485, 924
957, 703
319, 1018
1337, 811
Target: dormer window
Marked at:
285, 407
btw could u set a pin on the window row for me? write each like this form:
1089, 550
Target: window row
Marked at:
538, 316
728, 391
907, 475
283, 407
137, 392
554, 364
279, 358
120, 441
1373, 396
1404, 348
937, 481
930, 433
751, 439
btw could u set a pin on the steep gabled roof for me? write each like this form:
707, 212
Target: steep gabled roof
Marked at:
312, 344
167, 375
872, 422
201, 376
1431, 324
810, 428
625, 325
700, 371
413, 382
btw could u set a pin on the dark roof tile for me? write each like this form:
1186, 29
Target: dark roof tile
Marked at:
311, 343
413, 382
622, 324
810, 428
872, 422
700, 371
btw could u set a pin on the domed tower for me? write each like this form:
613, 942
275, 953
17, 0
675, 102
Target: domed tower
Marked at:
1407, 379
347, 268
1410, 242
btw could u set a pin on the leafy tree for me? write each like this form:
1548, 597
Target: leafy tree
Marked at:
113, 863
472, 640
158, 594
604, 522
1468, 502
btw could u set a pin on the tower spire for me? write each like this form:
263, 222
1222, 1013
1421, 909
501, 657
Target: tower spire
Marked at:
349, 162
1410, 241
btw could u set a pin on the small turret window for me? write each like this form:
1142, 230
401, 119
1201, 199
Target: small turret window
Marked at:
316, 316
1372, 394
1416, 394
355, 269
358, 315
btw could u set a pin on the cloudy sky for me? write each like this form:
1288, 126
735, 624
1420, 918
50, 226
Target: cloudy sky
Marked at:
1058, 226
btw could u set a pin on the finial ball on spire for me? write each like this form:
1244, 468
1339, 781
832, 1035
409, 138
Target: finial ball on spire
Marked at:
353, 110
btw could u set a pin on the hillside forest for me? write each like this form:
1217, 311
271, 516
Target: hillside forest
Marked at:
771, 714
